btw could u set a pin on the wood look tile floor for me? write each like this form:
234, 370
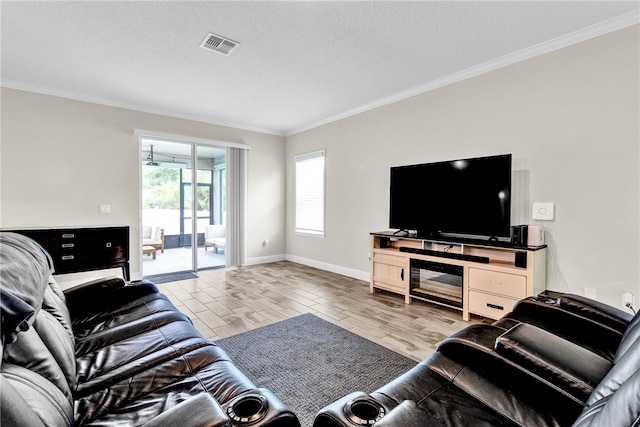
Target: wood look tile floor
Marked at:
228, 301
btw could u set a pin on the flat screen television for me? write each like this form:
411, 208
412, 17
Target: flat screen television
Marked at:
463, 197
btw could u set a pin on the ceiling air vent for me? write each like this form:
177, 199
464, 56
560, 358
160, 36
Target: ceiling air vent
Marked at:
218, 44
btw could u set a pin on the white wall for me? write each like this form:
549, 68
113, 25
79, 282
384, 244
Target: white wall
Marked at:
571, 120
61, 159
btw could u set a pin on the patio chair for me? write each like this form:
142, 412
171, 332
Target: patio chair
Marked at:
153, 236
214, 235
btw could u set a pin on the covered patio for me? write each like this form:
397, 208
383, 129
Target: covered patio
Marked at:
179, 259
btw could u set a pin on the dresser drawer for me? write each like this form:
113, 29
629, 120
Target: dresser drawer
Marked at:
509, 285
489, 305
75, 250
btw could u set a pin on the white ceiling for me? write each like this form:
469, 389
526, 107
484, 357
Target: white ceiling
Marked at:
299, 63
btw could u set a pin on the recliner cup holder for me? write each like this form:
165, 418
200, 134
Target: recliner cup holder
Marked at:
363, 411
248, 409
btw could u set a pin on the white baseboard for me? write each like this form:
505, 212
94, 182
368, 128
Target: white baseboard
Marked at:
338, 269
265, 259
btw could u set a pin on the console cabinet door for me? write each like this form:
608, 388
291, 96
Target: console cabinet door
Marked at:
390, 272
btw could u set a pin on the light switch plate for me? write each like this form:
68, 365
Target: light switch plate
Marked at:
542, 211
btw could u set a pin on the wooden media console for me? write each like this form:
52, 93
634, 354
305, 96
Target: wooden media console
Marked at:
485, 278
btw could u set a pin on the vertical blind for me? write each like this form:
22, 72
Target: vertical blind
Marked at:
310, 193
236, 205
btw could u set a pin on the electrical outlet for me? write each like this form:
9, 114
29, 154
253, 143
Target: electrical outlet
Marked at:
105, 209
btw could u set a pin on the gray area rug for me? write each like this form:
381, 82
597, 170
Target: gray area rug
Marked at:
309, 362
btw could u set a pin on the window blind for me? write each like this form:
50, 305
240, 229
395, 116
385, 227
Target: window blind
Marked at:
310, 193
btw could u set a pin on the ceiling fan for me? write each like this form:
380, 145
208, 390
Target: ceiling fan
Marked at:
150, 161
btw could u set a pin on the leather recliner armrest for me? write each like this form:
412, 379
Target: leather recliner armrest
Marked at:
408, 414
98, 285
355, 409
105, 292
595, 310
563, 363
199, 411
590, 333
259, 407
475, 346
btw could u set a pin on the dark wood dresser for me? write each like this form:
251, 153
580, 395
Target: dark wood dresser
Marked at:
81, 249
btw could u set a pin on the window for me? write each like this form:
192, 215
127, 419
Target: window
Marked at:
309, 188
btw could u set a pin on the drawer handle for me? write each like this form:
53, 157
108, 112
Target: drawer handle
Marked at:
497, 307
68, 236
67, 257
402, 274
68, 245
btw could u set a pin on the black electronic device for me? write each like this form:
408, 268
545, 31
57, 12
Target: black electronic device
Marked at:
457, 197
519, 235
450, 255
521, 259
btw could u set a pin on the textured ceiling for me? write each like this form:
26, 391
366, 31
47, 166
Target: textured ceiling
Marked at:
298, 64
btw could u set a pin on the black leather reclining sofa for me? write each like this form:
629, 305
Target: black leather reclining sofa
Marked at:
550, 362
111, 353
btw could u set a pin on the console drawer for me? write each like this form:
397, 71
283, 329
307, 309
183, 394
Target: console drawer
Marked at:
390, 259
488, 305
509, 285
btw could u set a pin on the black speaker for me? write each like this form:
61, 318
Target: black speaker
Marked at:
521, 259
519, 235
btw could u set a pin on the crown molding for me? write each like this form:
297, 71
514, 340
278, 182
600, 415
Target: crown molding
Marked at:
44, 90
597, 30
576, 37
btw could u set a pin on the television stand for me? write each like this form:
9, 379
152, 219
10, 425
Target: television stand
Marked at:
484, 278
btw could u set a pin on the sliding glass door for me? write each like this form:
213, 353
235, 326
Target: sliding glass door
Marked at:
183, 203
